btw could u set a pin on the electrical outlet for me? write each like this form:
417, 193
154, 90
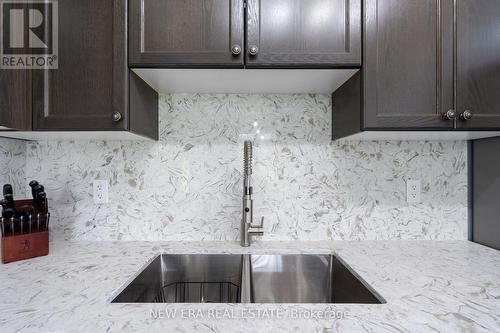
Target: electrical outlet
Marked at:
100, 191
413, 189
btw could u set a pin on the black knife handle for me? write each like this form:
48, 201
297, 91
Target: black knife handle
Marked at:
39, 195
8, 213
24, 211
4, 203
41, 199
8, 195
38, 188
7, 189
33, 184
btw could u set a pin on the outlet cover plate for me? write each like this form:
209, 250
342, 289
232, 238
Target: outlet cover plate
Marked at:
101, 191
413, 190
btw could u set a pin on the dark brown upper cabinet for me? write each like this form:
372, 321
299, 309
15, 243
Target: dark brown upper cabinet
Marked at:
211, 33
90, 84
303, 33
407, 75
15, 105
92, 89
425, 63
15, 89
478, 64
186, 33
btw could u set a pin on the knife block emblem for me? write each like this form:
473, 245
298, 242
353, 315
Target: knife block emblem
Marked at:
26, 245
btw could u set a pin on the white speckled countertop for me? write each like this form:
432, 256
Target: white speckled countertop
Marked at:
429, 286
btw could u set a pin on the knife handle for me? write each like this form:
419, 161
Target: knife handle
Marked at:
7, 189
8, 213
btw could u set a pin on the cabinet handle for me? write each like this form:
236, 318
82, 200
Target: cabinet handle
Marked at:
253, 50
466, 115
450, 115
236, 49
117, 116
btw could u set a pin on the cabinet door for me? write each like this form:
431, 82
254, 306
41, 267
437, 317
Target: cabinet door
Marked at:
408, 64
186, 33
90, 83
478, 63
15, 99
303, 33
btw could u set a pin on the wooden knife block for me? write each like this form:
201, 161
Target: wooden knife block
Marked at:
29, 244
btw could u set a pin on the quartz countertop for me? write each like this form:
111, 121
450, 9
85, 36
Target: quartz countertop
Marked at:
429, 286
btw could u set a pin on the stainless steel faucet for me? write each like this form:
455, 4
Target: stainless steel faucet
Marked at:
247, 227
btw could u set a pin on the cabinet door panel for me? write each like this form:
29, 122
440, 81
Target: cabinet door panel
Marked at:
185, 33
15, 99
304, 33
408, 64
90, 83
478, 63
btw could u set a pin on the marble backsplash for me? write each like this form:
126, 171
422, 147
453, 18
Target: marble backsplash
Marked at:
188, 186
13, 165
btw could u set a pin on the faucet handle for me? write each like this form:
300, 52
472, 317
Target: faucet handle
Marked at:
257, 229
261, 224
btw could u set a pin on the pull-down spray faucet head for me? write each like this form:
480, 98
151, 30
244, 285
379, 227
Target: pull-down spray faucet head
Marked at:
247, 167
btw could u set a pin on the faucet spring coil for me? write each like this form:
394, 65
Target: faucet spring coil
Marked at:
247, 159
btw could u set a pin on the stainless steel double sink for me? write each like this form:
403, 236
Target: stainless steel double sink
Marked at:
227, 278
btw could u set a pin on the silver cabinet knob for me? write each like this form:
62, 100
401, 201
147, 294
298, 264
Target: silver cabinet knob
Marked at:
466, 115
236, 49
117, 116
253, 50
450, 115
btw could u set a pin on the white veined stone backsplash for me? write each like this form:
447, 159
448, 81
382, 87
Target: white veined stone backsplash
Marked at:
188, 186
13, 165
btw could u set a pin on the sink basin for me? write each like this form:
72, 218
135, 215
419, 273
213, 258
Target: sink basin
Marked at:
225, 278
186, 278
306, 279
